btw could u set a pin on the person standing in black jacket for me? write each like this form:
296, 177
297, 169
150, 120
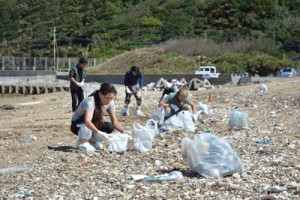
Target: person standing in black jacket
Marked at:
77, 76
133, 82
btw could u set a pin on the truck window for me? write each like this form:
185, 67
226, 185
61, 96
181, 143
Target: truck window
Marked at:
212, 70
207, 69
287, 70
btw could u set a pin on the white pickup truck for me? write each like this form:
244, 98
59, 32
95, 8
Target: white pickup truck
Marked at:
208, 72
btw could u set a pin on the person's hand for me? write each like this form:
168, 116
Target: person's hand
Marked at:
138, 94
174, 107
79, 84
100, 136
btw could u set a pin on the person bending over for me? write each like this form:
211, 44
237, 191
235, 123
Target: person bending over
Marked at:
88, 123
177, 101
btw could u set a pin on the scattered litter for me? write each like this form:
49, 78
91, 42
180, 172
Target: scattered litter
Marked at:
12, 169
28, 138
238, 120
263, 88
264, 142
172, 176
137, 177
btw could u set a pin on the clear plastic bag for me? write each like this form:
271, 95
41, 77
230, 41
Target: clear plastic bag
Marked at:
238, 120
174, 123
152, 124
143, 137
158, 114
210, 156
187, 120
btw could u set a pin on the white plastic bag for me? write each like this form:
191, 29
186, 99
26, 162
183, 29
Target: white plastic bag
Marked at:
118, 142
263, 88
88, 88
152, 124
174, 123
202, 108
210, 156
238, 120
143, 138
187, 120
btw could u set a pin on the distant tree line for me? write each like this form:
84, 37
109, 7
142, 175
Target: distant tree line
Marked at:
104, 28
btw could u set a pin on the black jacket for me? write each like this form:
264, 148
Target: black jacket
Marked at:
78, 74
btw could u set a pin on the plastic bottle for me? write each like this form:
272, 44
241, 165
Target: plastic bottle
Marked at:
210, 97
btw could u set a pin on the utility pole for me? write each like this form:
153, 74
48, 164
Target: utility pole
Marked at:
54, 47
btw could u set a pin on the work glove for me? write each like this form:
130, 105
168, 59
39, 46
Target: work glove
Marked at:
101, 136
79, 84
138, 94
128, 90
174, 107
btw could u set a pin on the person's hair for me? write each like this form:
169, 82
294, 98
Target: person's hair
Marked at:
82, 60
183, 91
135, 69
105, 88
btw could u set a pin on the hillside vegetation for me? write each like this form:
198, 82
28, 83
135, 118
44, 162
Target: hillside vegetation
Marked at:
105, 29
177, 57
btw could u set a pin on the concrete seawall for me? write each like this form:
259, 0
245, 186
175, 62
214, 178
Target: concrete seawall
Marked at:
15, 77
30, 82
38, 82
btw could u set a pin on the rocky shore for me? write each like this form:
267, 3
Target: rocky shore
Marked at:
39, 159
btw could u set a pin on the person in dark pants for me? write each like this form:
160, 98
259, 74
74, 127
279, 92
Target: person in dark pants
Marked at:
133, 82
77, 76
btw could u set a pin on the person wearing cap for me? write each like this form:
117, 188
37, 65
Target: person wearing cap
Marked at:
77, 76
133, 82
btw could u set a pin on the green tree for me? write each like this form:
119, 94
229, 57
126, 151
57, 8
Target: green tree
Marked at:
177, 25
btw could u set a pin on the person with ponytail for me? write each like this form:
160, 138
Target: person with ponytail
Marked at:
88, 122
